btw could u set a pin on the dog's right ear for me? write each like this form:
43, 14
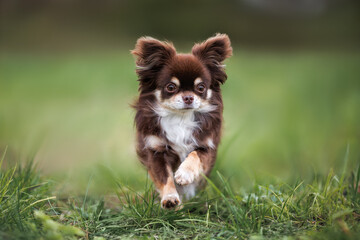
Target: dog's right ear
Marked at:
151, 55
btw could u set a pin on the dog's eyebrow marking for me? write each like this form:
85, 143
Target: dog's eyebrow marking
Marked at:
209, 94
176, 81
153, 142
157, 94
197, 81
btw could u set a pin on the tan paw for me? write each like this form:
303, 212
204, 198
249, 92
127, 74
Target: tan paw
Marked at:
189, 170
185, 176
170, 201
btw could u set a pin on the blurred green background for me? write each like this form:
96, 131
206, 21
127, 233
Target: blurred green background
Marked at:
292, 99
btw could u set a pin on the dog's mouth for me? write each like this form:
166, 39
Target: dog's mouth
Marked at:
184, 109
181, 109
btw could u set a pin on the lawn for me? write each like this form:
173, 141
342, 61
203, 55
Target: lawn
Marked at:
288, 165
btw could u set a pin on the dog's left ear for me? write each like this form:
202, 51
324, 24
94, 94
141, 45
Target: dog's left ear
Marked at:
212, 53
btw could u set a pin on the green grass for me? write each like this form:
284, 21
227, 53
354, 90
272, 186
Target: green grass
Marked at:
287, 167
320, 209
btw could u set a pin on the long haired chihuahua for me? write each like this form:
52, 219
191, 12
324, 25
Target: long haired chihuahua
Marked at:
179, 113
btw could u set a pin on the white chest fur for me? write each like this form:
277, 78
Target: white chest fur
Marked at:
178, 129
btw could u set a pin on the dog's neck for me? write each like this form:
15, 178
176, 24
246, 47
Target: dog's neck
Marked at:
178, 128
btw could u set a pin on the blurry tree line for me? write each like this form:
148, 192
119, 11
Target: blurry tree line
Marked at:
63, 24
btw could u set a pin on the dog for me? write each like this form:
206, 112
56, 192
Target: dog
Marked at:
179, 113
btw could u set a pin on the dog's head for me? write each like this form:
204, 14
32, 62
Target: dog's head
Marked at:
182, 81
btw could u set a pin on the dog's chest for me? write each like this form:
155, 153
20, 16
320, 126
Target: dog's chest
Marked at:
179, 129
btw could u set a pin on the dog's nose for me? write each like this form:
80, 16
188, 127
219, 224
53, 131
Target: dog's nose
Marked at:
188, 99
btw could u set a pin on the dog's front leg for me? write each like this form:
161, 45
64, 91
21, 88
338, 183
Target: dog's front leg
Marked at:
197, 162
162, 175
189, 170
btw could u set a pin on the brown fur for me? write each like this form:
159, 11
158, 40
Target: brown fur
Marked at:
157, 63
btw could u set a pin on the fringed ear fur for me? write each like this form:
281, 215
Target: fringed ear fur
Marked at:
212, 53
151, 55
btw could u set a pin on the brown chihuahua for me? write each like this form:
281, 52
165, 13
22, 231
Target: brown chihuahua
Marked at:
179, 113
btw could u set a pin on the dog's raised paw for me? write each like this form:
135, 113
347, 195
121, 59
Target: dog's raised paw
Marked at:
184, 176
170, 201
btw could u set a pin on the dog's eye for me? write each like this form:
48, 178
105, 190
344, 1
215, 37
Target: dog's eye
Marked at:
200, 88
171, 87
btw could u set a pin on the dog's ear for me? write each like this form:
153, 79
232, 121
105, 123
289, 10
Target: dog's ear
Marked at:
152, 55
212, 53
